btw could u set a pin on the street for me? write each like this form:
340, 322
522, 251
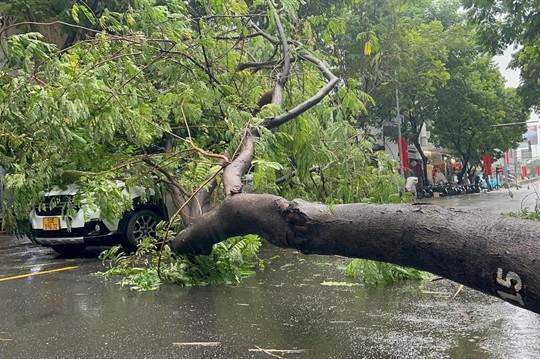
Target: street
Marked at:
497, 201
298, 307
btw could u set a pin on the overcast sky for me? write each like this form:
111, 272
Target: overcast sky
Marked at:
512, 76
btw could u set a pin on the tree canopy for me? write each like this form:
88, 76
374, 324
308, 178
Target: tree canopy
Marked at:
475, 114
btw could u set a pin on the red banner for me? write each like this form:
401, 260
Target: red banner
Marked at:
487, 164
537, 168
404, 153
523, 171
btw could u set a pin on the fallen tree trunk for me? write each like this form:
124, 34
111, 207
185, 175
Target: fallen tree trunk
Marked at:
494, 254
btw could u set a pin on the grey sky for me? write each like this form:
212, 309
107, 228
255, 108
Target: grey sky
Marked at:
512, 76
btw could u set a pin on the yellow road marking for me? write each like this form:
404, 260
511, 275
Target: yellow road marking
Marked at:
37, 273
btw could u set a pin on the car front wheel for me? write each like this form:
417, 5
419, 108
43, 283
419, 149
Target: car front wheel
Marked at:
141, 224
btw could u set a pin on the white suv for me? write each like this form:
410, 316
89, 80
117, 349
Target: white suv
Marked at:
69, 235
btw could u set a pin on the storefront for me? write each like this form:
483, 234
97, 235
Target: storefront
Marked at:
444, 163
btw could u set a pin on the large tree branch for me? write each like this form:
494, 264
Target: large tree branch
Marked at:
279, 90
494, 254
277, 121
256, 66
232, 174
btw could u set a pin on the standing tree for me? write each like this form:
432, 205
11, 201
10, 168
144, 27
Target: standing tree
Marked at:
169, 92
394, 46
420, 71
474, 107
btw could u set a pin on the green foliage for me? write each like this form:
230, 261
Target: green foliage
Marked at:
156, 93
527, 213
380, 274
36, 10
328, 161
76, 9
146, 269
100, 107
121, 98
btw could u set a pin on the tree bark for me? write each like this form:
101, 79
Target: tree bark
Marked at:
494, 254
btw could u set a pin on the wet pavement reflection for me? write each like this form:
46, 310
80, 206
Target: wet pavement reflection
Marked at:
298, 307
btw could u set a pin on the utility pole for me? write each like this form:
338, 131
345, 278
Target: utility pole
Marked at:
398, 117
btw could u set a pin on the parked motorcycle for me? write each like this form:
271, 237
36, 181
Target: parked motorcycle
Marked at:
424, 191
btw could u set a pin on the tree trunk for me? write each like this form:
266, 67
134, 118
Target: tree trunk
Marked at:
424, 160
494, 254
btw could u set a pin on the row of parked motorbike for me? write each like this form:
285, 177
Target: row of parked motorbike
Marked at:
446, 189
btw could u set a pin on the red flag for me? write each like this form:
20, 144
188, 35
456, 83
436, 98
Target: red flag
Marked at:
487, 164
403, 153
537, 168
524, 171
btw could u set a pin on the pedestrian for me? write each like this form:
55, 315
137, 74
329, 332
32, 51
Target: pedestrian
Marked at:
410, 185
488, 184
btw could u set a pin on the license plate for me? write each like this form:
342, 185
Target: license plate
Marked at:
51, 223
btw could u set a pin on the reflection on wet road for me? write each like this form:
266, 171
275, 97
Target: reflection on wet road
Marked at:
299, 307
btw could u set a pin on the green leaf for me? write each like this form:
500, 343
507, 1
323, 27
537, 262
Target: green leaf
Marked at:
87, 13
75, 12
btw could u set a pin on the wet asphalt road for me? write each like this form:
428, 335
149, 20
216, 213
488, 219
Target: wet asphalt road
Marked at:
299, 307
498, 201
